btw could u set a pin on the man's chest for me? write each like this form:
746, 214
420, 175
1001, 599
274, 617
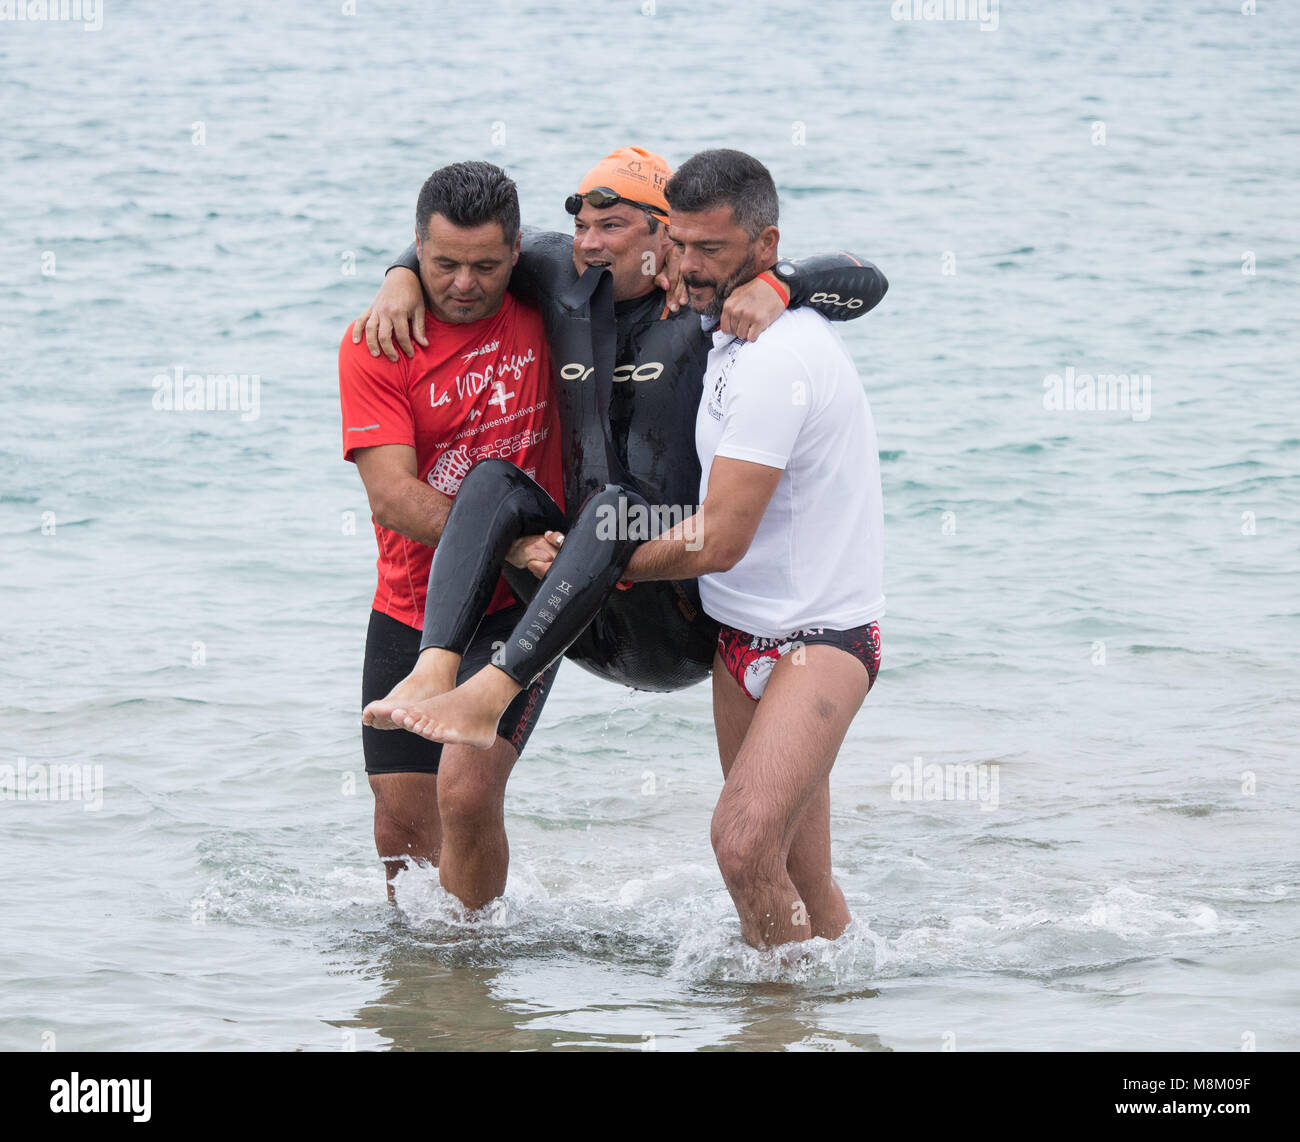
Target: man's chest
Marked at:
481, 387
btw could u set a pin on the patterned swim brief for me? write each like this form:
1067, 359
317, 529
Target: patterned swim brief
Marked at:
750, 657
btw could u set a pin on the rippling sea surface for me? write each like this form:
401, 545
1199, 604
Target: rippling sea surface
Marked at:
1098, 608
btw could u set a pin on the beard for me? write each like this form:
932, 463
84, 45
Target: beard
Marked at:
723, 290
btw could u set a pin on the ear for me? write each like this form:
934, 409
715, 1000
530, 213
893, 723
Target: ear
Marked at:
514, 254
768, 240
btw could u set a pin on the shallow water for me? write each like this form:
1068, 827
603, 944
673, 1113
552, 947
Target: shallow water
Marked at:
1103, 605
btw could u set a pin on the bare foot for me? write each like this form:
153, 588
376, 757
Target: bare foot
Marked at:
467, 715
434, 673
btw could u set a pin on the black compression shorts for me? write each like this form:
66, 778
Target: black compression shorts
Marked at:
391, 650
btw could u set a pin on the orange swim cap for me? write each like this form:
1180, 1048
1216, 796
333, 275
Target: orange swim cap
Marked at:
635, 173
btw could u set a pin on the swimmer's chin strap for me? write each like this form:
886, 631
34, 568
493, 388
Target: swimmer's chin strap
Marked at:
594, 293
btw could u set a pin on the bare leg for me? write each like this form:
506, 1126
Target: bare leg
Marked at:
809, 866
407, 825
809, 861
471, 802
775, 778
454, 820
733, 710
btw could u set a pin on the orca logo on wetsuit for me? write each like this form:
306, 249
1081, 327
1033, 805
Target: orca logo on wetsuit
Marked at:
649, 371
834, 299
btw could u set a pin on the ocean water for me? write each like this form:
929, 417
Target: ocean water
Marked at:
1097, 609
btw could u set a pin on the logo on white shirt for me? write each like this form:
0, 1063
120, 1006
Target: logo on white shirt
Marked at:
717, 397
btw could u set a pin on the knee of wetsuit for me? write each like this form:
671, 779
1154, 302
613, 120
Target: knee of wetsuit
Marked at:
605, 503
491, 484
491, 476
615, 516
596, 550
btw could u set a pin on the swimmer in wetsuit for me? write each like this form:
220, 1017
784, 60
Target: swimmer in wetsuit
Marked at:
628, 372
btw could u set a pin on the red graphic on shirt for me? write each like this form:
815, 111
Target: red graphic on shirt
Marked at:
393, 402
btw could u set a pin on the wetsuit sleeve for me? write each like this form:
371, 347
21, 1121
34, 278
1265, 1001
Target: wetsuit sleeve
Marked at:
411, 261
832, 283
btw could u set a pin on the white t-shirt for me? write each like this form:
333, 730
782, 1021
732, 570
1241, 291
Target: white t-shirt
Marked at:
793, 400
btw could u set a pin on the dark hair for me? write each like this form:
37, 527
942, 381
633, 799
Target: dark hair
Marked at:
726, 178
470, 194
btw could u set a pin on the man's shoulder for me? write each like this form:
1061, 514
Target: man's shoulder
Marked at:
546, 257
792, 335
800, 327
519, 313
357, 355
524, 325
803, 335
355, 361
547, 245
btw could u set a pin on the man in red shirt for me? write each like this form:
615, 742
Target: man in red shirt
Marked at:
480, 389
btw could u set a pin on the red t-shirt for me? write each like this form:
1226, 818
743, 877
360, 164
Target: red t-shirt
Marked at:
479, 390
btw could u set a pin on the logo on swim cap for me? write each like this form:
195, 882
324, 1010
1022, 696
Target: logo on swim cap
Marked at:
632, 172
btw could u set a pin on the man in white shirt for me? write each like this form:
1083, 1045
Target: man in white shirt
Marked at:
787, 545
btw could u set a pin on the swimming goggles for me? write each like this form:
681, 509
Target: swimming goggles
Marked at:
601, 197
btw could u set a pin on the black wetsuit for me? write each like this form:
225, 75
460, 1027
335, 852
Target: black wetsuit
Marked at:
628, 382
